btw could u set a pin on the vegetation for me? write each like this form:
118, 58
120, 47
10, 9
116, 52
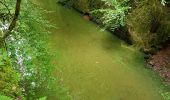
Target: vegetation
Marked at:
146, 22
5, 97
9, 83
113, 15
25, 45
26, 66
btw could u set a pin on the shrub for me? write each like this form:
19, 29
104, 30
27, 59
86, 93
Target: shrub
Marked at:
113, 15
9, 78
144, 24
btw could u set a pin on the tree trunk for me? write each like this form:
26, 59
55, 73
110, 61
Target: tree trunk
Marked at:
14, 20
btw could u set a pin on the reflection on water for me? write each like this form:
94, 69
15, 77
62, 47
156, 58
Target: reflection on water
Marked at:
97, 65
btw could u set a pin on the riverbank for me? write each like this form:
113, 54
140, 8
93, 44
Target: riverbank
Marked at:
160, 63
95, 63
158, 60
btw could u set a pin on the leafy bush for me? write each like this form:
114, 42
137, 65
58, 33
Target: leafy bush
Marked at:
9, 78
144, 24
5, 98
113, 16
31, 57
29, 51
84, 6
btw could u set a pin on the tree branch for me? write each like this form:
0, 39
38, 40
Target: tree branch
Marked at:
13, 23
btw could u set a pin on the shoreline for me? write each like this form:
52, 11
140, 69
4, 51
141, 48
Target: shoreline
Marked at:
160, 63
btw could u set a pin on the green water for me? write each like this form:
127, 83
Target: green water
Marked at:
95, 64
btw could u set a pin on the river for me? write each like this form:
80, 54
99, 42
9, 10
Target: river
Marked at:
96, 65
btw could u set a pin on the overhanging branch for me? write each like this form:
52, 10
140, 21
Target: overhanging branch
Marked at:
14, 20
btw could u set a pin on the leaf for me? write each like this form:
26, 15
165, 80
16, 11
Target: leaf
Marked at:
6, 98
43, 98
1, 63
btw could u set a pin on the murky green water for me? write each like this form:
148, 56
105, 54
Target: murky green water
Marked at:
97, 65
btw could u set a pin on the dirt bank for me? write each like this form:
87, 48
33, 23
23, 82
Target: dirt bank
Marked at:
160, 63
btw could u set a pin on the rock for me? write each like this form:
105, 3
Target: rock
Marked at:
87, 17
146, 57
151, 63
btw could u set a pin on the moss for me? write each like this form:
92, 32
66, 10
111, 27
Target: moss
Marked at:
146, 24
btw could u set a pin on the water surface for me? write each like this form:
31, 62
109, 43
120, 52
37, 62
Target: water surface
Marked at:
95, 64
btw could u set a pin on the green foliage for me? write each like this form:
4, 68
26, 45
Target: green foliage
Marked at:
81, 5
6, 10
145, 24
8, 77
110, 13
163, 2
113, 16
43, 98
5, 98
29, 52
2, 97
84, 6
146, 21
166, 95
31, 56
